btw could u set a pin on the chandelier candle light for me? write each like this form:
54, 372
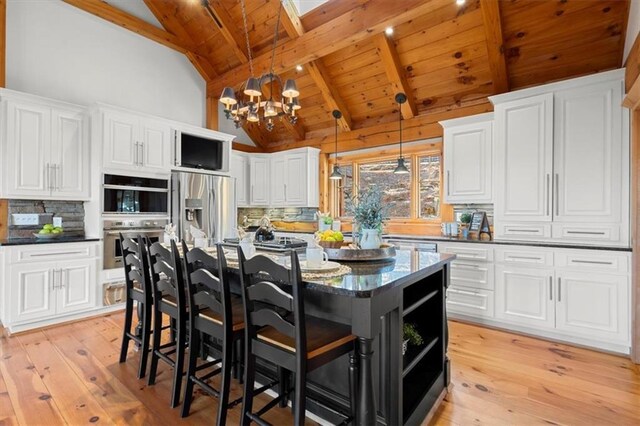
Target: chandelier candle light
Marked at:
336, 175
401, 168
248, 108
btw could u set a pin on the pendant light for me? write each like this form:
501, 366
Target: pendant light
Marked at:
401, 168
336, 175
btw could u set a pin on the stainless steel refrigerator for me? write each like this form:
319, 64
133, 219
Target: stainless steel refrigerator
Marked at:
207, 202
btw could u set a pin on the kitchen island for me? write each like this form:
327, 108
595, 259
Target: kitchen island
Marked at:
375, 299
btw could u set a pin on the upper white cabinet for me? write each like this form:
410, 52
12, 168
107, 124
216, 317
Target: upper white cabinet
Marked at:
240, 171
259, 180
524, 147
283, 179
46, 147
134, 143
467, 159
561, 162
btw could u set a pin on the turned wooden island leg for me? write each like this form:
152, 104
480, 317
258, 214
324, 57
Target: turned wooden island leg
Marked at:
366, 404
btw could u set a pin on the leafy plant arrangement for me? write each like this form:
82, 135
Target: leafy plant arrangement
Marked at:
368, 210
465, 218
410, 333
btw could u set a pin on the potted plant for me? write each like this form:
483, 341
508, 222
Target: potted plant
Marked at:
369, 213
411, 336
465, 220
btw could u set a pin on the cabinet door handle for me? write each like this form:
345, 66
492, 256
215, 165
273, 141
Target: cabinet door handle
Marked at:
58, 176
51, 283
468, 265
559, 289
546, 198
522, 230
596, 262
47, 176
142, 153
523, 258
550, 287
557, 194
586, 232
448, 182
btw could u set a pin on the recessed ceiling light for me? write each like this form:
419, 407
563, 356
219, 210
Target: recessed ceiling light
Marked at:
298, 67
460, 2
388, 30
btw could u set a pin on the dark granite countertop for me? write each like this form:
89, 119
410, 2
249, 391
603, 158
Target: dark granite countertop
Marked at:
371, 278
34, 240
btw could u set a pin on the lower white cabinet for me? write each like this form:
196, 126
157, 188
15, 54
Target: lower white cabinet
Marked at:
525, 296
594, 305
576, 295
43, 283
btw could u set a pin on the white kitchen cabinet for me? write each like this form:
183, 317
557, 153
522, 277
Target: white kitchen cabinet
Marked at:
47, 149
278, 180
259, 181
470, 302
135, 143
297, 179
523, 135
240, 171
561, 162
283, 179
33, 293
525, 296
44, 284
76, 286
468, 159
594, 305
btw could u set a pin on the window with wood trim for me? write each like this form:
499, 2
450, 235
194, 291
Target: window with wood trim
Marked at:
414, 198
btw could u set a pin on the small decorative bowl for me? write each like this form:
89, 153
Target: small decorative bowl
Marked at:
331, 244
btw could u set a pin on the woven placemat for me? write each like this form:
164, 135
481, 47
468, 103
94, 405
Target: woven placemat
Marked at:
342, 270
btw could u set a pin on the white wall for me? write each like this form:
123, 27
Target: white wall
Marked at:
58, 51
633, 27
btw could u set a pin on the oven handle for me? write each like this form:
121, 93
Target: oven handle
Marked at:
135, 188
134, 231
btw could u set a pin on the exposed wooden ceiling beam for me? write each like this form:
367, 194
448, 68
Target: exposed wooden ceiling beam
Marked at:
294, 28
345, 30
395, 73
413, 129
495, 45
112, 14
224, 23
171, 25
3, 42
332, 98
297, 130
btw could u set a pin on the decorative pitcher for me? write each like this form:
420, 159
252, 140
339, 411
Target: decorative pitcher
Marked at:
370, 239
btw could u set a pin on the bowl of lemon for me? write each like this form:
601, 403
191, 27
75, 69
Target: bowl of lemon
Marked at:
330, 239
49, 231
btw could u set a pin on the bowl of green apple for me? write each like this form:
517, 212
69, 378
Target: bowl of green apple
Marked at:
49, 231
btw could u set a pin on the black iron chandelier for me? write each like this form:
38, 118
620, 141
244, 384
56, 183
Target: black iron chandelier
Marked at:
254, 107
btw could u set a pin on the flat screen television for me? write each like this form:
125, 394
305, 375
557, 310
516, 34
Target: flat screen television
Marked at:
201, 153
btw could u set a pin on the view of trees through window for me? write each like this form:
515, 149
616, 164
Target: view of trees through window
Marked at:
429, 187
397, 188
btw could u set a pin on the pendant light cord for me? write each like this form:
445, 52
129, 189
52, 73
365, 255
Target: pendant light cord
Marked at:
246, 36
336, 140
273, 53
400, 120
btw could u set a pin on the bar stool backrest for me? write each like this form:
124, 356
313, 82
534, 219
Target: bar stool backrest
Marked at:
207, 283
136, 264
272, 296
166, 273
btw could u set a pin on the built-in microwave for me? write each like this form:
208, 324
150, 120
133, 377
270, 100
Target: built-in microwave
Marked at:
205, 150
131, 195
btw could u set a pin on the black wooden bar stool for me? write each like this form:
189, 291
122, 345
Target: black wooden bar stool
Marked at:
277, 330
213, 311
138, 289
169, 299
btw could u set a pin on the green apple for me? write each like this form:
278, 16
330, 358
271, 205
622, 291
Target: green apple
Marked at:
48, 226
44, 231
58, 228
56, 231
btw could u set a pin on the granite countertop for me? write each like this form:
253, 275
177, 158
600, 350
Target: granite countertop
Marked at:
34, 240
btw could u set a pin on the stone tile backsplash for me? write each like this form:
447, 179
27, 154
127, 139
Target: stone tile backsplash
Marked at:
71, 212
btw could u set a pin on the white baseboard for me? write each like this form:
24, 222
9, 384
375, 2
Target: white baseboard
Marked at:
22, 327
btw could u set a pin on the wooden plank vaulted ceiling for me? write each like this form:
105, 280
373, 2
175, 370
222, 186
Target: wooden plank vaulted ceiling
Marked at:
447, 58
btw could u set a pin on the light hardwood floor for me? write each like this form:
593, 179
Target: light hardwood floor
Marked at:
70, 374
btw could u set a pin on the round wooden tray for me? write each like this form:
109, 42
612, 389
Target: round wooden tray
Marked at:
386, 251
